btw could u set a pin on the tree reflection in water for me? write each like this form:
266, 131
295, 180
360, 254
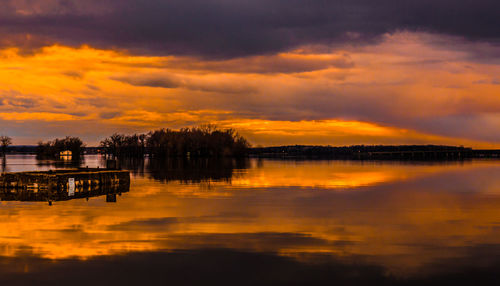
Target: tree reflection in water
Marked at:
186, 171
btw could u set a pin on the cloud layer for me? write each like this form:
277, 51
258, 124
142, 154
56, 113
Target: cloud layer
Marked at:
224, 29
422, 71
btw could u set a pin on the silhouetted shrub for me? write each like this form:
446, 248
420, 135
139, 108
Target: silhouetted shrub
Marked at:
51, 149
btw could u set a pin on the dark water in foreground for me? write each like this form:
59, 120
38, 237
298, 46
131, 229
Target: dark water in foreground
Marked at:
263, 222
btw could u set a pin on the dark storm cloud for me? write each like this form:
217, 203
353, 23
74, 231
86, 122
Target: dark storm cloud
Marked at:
223, 28
173, 82
15, 100
74, 74
280, 63
109, 115
163, 82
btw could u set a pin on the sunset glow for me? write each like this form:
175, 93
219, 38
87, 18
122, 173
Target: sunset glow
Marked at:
405, 89
249, 142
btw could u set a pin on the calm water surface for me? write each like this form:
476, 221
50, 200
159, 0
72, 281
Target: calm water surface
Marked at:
400, 220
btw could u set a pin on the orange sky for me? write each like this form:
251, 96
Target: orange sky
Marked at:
406, 88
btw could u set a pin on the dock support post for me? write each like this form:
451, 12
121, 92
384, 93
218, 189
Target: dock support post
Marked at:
111, 164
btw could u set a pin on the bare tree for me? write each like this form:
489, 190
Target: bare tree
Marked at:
5, 141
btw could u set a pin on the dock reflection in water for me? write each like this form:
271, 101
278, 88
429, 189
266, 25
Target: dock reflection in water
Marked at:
330, 219
63, 185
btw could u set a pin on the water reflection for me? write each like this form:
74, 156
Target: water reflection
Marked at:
4, 164
60, 163
191, 171
225, 267
405, 219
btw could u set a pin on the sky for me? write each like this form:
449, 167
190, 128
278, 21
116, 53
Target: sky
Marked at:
280, 72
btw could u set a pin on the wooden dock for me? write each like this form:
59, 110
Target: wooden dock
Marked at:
60, 185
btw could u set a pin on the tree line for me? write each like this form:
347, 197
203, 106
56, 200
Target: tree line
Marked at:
196, 142
202, 141
416, 152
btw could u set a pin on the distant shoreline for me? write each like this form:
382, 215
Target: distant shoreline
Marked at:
374, 152
355, 152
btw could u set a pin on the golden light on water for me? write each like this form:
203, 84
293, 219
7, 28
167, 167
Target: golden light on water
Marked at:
397, 216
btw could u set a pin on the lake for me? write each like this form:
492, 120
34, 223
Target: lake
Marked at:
261, 221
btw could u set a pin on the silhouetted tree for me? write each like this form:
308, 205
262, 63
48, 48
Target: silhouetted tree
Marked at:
5, 142
120, 145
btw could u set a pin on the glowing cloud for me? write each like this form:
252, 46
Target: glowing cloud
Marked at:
408, 88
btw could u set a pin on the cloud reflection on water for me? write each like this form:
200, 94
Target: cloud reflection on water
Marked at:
403, 217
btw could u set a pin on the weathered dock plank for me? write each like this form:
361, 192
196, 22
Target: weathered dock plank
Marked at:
60, 185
